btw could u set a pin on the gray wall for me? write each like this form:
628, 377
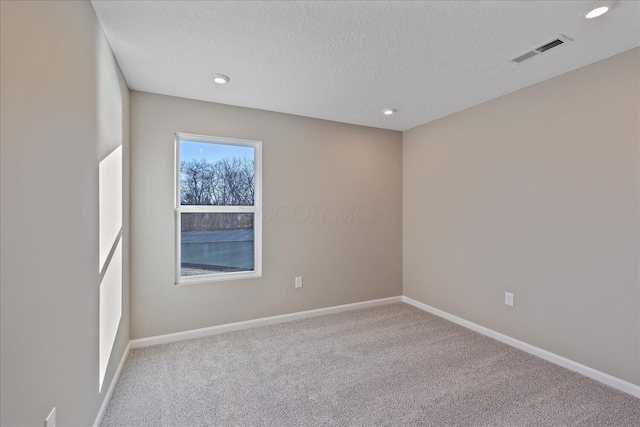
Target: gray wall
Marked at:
536, 193
64, 108
308, 164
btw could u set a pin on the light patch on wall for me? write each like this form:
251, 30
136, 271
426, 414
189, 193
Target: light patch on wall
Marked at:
110, 199
110, 255
110, 308
109, 139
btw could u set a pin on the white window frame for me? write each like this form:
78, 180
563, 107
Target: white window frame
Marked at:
256, 209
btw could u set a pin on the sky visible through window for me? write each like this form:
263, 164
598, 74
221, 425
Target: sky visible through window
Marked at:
213, 152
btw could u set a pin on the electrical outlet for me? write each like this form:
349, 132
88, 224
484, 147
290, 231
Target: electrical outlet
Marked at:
50, 421
508, 299
298, 282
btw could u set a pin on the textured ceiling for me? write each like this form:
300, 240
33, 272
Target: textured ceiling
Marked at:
346, 61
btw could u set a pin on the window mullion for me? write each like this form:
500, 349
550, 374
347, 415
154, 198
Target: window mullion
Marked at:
213, 209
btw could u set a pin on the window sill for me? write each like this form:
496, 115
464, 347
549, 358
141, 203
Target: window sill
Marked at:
219, 277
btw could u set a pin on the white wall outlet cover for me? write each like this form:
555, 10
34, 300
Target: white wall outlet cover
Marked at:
508, 299
50, 421
299, 282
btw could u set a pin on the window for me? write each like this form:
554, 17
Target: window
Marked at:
218, 209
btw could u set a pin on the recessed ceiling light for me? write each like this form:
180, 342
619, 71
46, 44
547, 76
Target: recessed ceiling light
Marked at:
220, 79
388, 111
598, 11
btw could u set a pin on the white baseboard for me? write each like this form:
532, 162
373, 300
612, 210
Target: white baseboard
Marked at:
607, 379
112, 386
213, 330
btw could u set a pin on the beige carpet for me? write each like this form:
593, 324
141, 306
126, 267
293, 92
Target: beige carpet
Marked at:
391, 365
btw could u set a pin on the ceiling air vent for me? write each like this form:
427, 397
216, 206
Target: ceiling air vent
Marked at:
540, 49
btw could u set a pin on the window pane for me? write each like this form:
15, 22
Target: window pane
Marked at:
216, 174
216, 243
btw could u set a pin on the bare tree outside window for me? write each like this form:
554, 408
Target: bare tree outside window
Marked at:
227, 182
